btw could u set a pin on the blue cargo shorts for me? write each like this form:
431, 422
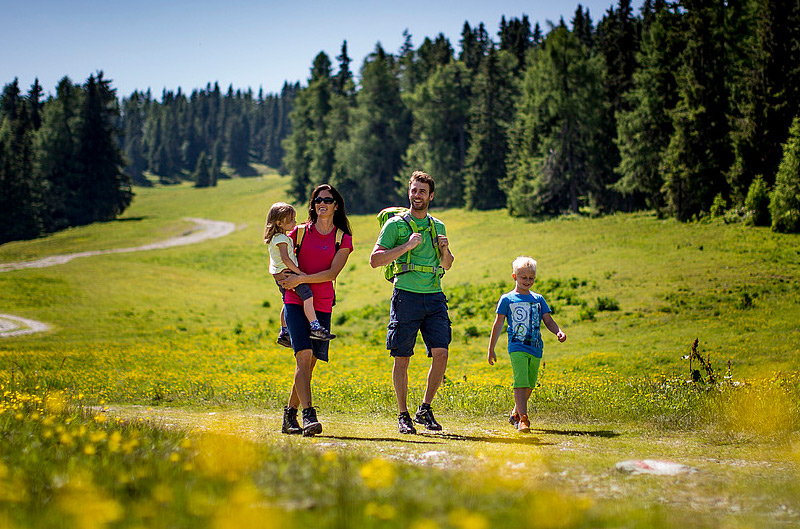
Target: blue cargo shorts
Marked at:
412, 312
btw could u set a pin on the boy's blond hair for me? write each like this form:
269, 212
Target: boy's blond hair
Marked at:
279, 212
524, 262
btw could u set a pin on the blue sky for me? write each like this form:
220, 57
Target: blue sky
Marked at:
170, 44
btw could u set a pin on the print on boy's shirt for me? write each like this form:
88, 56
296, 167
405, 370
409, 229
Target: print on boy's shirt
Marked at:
523, 314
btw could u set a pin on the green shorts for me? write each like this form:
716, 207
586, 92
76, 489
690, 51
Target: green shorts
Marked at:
526, 369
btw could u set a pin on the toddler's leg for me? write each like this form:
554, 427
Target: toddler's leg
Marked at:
308, 308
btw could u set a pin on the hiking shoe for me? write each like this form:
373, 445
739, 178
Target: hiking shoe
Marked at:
311, 426
290, 424
524, 425
425, 417
322, 334
405, 424
284, 340
513, 418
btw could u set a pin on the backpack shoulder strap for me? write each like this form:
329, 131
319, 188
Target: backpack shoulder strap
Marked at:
299, 234
339, 237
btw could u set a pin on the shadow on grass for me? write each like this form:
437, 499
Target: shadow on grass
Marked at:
608, 434
522, 440
409, 440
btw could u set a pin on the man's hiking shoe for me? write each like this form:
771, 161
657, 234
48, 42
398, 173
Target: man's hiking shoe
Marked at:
284, 339
405, 424
290, 424
524, 425
513, 418
425, 417
311, 426
322, 334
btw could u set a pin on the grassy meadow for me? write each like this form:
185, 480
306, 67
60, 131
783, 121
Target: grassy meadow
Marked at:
154, 400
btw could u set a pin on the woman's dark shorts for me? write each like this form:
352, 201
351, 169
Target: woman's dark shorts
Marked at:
412, 312
300, 330
303, 289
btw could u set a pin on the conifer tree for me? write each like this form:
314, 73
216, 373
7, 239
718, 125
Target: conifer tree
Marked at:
379, 135
768, 94
440, 108
699, 152
644, 131
490, 116
784, 206
555, 139
202, 174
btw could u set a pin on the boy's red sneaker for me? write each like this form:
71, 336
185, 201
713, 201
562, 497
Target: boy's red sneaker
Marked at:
524, 424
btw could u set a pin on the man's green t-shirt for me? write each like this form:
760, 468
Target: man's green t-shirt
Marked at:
396, 232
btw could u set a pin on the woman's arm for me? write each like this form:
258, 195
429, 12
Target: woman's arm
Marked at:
339, 260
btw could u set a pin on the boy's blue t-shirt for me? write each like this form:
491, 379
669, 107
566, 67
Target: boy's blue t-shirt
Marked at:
524, 316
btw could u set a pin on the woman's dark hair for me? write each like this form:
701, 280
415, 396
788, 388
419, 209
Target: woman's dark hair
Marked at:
339, 216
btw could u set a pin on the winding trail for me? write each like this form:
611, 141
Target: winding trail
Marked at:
205, 229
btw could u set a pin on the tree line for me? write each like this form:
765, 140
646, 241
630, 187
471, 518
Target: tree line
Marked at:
190, 138
60, 159
685, 108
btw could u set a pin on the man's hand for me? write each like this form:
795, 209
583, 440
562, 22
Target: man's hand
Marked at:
414, 240
443, 243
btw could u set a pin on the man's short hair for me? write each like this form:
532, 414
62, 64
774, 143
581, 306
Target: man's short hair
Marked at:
425, 178
524, 262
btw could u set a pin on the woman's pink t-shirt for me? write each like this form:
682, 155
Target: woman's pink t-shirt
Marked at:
316, 254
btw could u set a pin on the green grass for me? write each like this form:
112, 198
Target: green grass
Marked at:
189, 331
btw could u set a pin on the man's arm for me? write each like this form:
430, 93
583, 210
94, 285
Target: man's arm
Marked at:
447, 256
381, 256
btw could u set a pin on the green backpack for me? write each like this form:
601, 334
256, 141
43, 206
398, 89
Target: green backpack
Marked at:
403, 265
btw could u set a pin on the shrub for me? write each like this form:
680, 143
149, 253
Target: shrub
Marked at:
784, 205
718, 207
607, 303
757, 203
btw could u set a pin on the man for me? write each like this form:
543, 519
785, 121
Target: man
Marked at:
418, 303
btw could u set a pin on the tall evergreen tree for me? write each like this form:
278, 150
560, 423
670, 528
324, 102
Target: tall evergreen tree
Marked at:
768, 95
103, 190
490, 116
784, 206
555, 140
379, 135
644, 131
699, 153
515, 38
440, 108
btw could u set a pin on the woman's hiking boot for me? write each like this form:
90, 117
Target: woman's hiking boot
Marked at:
425, 417
524, 425
311, 426
404, 423
290, 424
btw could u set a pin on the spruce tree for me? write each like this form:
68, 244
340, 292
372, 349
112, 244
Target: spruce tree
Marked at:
768, 94
699, 152
555, 143
490, 116
103, 191
644, 131
440, 108
784, 206
202, 174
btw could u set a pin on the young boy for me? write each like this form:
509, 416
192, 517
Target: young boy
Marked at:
525, 311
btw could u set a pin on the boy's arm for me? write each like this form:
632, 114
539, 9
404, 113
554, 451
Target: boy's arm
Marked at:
497, 328
284, 249
553, 327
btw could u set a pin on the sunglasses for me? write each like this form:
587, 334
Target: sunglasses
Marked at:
327, 200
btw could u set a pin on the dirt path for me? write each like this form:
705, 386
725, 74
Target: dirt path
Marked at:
205, 229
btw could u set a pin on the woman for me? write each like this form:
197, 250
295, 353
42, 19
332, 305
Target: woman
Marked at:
321, 259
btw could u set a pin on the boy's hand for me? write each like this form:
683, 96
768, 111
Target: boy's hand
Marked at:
562, 336
491, 357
